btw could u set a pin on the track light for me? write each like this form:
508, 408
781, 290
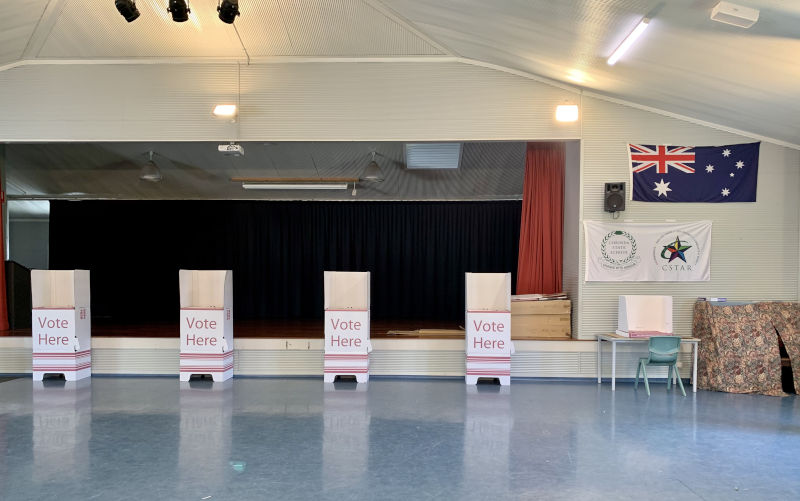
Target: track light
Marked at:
128, 9
228, 10
180, 10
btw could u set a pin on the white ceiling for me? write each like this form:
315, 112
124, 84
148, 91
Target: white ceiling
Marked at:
685, 63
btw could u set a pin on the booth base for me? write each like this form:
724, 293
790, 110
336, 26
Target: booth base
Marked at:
73, 365
346, 364
496, 367
218, 365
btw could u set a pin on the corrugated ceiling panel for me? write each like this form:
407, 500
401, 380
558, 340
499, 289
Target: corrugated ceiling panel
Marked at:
93, 29
18, 19
347, 28
285, 28
754, 245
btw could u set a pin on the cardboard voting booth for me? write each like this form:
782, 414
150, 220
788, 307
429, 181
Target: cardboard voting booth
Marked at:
489, 347
206, 323
62, 338
347, 343
644, 316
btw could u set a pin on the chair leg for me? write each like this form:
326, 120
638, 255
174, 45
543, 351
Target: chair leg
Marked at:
636, 381
680, 383
646, 383
669, 377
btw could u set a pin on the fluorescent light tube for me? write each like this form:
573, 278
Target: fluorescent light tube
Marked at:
629, 40
298, 186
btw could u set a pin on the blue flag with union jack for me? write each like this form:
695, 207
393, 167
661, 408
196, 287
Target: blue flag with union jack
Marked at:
661, 173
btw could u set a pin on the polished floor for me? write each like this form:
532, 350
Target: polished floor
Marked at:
254, 438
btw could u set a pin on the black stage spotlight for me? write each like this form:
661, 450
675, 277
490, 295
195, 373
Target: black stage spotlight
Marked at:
128, 9
228, 11
179, 10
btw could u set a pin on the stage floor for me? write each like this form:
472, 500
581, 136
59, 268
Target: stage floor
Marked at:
306, 329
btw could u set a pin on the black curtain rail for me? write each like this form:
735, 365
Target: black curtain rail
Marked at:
417, 253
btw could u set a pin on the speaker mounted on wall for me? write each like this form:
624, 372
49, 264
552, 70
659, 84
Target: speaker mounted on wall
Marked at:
614, 199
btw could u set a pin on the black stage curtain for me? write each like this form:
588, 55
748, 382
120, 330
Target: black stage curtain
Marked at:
417, 253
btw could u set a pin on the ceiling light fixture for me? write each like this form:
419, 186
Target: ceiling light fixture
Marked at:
294, 186
128, 9
228, 10
150, 171
567, 112
225, 110
629, 40
737, 15
180, 10
295, 183
373, 172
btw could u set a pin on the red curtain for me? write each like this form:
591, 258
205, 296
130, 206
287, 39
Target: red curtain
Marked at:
540, 240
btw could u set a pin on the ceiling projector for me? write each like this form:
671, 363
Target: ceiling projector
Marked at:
232, 149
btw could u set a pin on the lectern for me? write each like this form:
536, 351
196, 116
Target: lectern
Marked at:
206, 323
488, 327
62, 338
347, 343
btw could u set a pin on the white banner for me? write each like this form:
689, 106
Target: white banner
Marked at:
648, 252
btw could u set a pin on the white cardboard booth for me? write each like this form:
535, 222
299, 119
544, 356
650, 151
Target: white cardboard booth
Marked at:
347, 342
62, 337
644, 316
488, 327
206, 323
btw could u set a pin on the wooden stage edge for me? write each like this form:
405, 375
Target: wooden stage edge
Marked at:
283, 329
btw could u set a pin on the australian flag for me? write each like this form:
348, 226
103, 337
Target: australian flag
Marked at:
662, 173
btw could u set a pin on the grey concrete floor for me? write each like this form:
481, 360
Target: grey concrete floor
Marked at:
155, 438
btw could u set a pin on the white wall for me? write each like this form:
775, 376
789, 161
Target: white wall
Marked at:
755, 245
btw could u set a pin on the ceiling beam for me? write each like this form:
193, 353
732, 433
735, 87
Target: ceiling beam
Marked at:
43, 28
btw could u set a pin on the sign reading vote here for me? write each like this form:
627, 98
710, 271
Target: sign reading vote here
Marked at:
201, 330
488, 333
53, 330
346, 331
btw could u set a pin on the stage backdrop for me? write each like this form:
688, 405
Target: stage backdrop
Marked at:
417, 253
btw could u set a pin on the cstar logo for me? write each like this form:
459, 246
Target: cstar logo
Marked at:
677, 252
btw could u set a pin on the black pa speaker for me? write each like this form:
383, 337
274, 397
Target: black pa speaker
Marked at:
614, 199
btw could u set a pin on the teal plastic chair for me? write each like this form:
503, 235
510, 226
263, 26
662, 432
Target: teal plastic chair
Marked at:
663, 351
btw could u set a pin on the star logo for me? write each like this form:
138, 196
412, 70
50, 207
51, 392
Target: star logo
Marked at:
676, 250
739, 164
732, 174
726, 153
709, 168
725, 192
662, 188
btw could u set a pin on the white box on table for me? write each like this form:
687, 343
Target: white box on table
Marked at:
644, 316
